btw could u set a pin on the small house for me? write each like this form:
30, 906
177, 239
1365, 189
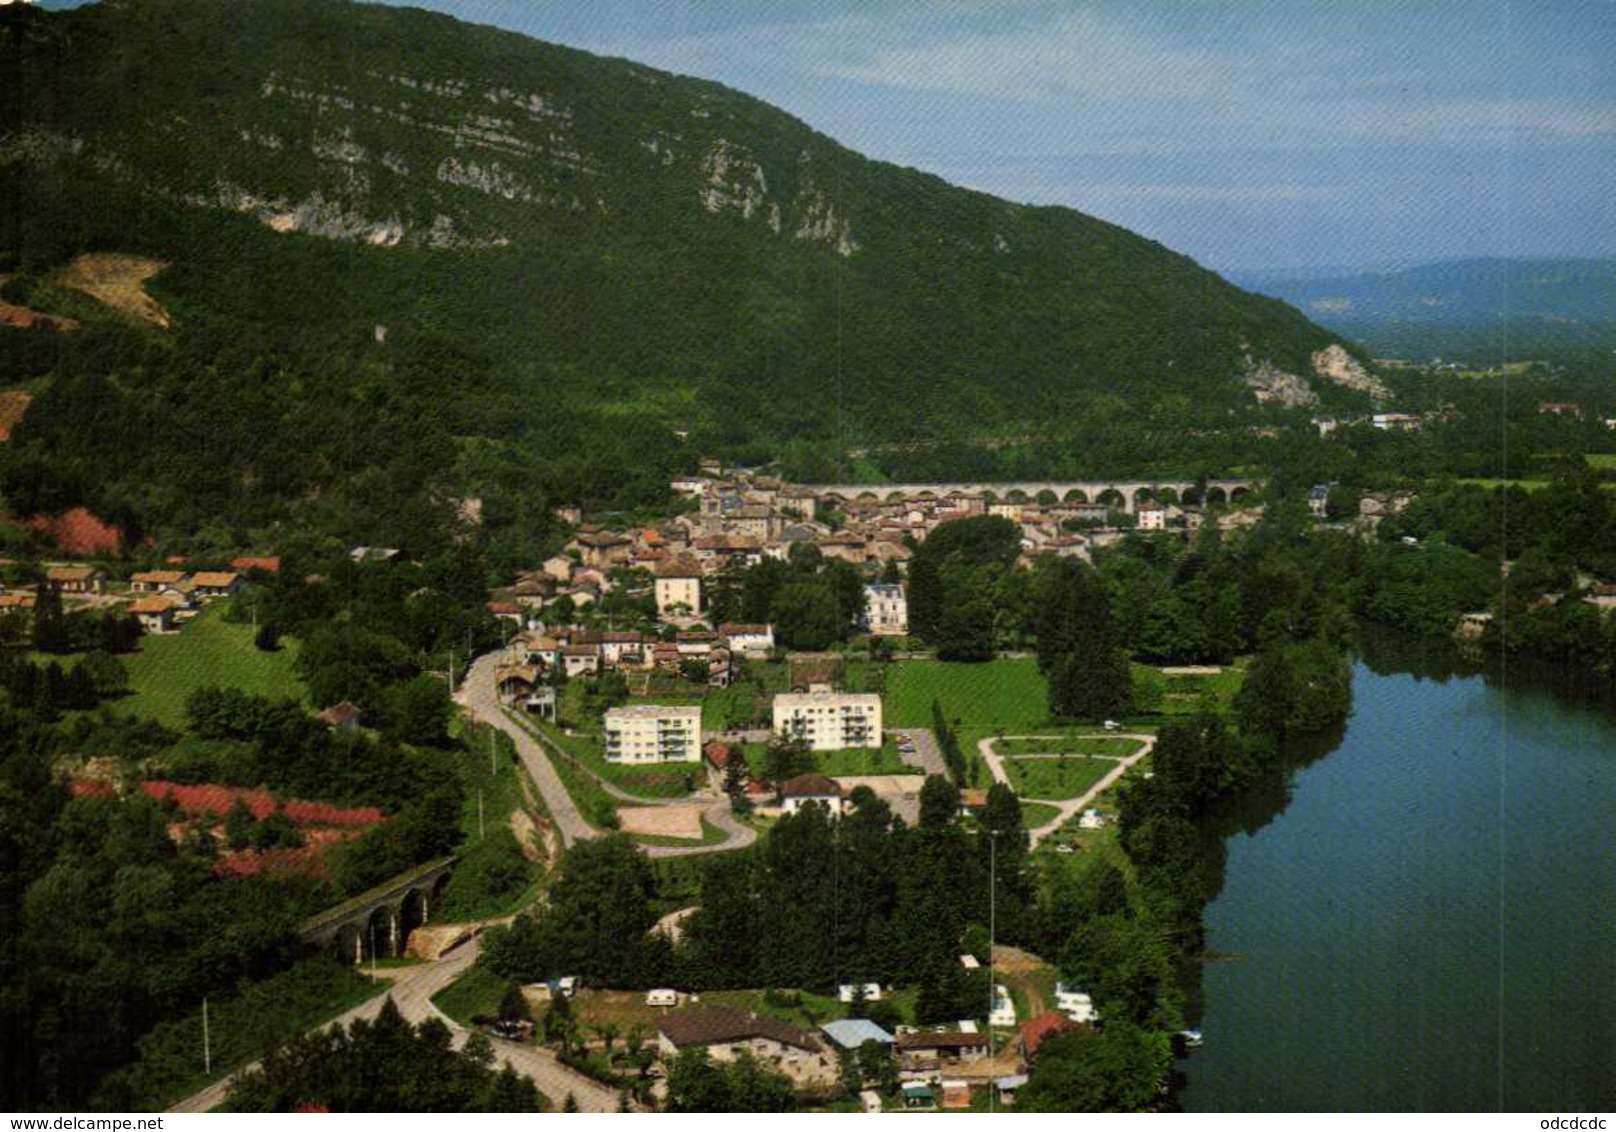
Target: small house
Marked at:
851, 1033
154, 581
798, 792
76, 579
342, 716
214, 584
155, 614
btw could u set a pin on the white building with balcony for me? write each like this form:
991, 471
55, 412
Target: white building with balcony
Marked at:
829, 721
653, 733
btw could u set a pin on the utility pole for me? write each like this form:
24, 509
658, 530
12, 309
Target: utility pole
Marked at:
451, 670
207, 1045
993, 939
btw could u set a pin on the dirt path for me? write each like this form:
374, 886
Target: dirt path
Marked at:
1068, 808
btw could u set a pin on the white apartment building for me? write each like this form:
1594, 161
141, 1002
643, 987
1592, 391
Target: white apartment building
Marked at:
653, 733
886, 610
830, 721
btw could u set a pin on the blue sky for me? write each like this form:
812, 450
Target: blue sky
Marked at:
1249, 134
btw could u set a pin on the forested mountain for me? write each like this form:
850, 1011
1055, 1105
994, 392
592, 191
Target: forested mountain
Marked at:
1474, 309
444, 260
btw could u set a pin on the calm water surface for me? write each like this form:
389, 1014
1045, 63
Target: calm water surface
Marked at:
1422, 914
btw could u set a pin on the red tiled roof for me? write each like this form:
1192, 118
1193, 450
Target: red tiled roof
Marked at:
271, 565
1034, 1031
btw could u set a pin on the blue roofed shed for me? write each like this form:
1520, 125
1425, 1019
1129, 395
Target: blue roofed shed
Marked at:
851, 1033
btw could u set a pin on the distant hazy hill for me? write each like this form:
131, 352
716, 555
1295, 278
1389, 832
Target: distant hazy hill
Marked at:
1463, 308
477, 235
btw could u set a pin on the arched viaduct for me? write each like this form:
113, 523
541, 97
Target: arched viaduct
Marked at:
379, 922
1125, 495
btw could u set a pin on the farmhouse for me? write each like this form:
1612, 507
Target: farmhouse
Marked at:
155, 581
155, 614
75, 579
214, 584
725, 1033
926, 1052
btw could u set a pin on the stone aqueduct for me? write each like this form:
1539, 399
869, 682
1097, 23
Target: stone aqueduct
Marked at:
1126, 495
379, 922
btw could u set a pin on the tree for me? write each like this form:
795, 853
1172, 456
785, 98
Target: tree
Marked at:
1120, 1069
50, 624
806, 615
238, 824
268, 637
877, 1066
939, 803
513, 1005
786, 757
1078, 646
925, 596
417, 712
106, 673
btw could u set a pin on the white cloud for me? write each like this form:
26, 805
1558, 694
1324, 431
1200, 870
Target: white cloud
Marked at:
1074, 55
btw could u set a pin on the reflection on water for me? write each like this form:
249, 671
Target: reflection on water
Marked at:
1422, 919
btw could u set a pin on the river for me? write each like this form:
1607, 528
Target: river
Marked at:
1421, 912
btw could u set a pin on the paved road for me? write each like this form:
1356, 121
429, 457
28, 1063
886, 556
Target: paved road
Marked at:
412, 990
1071, 807
480, 696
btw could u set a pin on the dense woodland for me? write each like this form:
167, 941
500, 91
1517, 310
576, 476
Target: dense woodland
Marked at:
113, 928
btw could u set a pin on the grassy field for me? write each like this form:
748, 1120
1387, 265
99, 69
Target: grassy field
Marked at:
1058, 779
1069, 744
800, 1008
1159, 694
1604, 461
208, 651
710, 835
997, 695
476, 992
1035, 814
1527, 485
854, 760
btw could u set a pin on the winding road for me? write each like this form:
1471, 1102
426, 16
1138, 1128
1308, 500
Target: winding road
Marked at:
411, 991
1071, 807
480, 696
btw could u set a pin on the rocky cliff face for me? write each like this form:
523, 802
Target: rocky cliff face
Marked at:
613, 219
1333, 363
